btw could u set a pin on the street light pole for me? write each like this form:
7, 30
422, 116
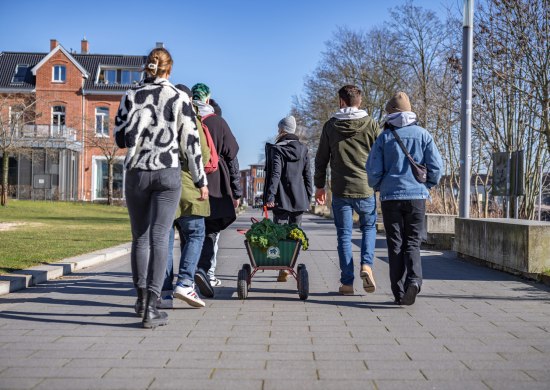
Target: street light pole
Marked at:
466, 110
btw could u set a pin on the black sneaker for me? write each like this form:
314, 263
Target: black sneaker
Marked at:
203, 283
410, 294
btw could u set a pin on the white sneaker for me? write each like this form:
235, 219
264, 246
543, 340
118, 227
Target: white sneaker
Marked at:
165, 302
215, 282
188, 295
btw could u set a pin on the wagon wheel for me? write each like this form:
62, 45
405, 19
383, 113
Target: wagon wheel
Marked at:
303, 282
242, 288
248, 269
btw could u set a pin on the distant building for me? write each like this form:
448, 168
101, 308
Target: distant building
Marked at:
252, 183
77, 95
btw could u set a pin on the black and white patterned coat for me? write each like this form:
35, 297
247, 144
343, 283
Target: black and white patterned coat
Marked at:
156, 122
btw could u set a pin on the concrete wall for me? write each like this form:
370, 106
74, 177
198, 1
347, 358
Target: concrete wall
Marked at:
509, 244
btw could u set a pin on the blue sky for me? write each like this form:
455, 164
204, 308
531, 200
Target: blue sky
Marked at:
254, 55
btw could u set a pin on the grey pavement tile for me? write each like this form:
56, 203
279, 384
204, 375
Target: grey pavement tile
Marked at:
169, 354
414, 364
452, 356
191, 362
539, 375
92, 384
157, 362
502, 384
430, 385
19, 383
274, 373
269, 340
23, 345
71, 354
192, 348
327, 384
32, 362
323, 355
541, 364
150, 374
292, 347
405, 374
175, 383
523, 356
466, 374
51, 372
268, 355
317, 364
432, 347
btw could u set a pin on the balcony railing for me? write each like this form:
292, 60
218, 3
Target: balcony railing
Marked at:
47, 131
47, 136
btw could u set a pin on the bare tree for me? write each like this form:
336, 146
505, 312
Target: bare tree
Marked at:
17, 115
98, 136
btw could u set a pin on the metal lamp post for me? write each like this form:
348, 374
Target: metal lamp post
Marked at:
466, 110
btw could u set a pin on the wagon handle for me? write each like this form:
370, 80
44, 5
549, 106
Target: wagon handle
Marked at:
266, 215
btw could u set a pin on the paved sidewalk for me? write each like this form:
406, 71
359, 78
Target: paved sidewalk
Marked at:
471, 328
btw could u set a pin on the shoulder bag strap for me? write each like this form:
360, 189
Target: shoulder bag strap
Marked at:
403, 148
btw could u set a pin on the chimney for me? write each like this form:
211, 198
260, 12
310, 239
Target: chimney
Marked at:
84, 46
53, 44
160, 45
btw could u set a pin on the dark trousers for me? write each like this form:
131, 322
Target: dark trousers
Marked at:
404, 225
282, 216
152, 198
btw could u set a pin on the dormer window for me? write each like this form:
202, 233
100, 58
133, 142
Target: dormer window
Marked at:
20, 73
59, 73
118, 76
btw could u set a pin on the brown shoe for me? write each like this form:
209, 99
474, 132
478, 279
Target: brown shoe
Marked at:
368, 279
346, 289
283, 276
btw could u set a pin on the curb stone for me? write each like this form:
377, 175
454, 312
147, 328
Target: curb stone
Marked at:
22, 279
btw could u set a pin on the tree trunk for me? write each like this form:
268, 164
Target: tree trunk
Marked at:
110, 163
5, 171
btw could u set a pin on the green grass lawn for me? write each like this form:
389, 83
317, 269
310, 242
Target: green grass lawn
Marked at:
52, 231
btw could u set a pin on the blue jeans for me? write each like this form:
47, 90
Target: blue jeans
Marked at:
343, 208
191, 230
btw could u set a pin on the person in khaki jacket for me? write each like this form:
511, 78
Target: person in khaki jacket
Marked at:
191, 227
345, 143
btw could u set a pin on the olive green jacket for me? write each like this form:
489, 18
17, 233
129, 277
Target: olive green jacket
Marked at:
189, 201
345, 144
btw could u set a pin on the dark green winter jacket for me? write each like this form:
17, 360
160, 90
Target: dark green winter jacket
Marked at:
345, 144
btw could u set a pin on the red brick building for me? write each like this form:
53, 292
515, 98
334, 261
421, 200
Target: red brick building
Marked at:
252, 183
76, 96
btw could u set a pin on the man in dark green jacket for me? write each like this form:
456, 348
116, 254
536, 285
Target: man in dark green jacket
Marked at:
345, 143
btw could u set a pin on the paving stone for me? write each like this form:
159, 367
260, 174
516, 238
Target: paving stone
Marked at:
429, 385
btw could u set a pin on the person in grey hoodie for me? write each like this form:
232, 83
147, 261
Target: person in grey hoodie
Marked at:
345, 143
288, 186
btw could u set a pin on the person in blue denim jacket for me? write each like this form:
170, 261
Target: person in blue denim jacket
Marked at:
402, 197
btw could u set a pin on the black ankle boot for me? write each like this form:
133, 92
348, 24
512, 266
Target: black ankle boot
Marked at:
139, 307
152, 317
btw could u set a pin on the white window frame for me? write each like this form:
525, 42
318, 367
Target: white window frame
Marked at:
60, 128
104, 122
103, 69
56, 76
94, 176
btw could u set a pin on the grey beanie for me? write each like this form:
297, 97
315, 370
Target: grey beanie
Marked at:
288, 124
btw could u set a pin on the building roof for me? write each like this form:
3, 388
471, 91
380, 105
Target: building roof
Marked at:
91, 63
67, 54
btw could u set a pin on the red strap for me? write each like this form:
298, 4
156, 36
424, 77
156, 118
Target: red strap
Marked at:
207, 116
266, 215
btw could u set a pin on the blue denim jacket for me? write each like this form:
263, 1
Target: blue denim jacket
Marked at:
389, 171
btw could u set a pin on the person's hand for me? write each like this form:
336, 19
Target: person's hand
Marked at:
270, 205
236, 203
204, 193
320, 196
